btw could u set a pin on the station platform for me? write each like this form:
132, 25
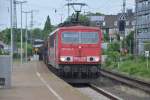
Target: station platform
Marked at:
33, 81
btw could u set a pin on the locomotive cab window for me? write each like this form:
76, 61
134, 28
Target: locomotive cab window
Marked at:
80, 37
89, 37
70, 37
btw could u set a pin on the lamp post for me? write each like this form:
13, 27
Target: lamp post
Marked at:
21, 53
11, 28
120, 59
26, 35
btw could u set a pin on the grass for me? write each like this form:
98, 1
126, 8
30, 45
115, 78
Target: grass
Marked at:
137, 68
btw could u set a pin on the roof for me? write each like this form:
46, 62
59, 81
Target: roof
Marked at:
97, 18
38, 46
38, 40
110, 20
80, 27
74, 27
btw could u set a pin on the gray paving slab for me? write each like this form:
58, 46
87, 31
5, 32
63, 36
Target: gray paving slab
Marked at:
33, 81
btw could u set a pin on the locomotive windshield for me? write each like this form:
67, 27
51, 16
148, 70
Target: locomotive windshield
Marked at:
80, 37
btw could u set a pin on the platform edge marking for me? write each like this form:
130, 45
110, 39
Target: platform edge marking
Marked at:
49, 88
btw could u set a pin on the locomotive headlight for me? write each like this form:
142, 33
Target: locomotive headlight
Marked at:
97, 59
62, 59
66, 58
93, 59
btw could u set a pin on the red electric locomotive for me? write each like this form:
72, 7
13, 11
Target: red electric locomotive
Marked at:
75, 52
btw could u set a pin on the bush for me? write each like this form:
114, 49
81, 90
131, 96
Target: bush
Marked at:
114, 55
2, 52
108, 62
16, 55
29, 49
114, 47
130, 57
142, 58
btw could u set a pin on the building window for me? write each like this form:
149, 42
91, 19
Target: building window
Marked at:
148, 29
143, 19
145, 30
115, 23
97, 23
104, 23
142, 5
133, 23
127, 23
139, 31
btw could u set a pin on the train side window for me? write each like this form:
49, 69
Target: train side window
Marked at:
56, 40
52, 40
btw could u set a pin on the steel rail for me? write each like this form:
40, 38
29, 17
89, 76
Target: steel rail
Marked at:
105, 93
130, 81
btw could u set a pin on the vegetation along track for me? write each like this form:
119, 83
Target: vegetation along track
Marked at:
145, 86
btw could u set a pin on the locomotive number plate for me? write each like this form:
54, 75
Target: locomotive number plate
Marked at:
80, 59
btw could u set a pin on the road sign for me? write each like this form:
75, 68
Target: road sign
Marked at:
146, 53
147, 56
122, 17
122, 25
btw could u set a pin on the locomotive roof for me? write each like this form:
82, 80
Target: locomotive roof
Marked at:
80, 27
74, 27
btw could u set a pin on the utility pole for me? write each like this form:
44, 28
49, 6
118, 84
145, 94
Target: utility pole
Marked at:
135, 34
11, 28
14, 24
26, 35
68, 7
122, 28
21, 53
124, 6
32, 23
61, 17
123, 17
31, 26
15, 14
122, 20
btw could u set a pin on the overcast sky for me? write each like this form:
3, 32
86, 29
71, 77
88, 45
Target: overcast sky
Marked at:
47, 7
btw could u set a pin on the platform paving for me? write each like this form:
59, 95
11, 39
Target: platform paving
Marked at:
33, 81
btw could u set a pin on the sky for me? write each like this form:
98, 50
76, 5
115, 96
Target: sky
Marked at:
44, 8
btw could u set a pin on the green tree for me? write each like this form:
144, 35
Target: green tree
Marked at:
130, 42
5, 36
84, 20
106, 36
47, 28
37, 33
115, 46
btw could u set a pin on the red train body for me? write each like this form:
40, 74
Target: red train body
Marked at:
75, 52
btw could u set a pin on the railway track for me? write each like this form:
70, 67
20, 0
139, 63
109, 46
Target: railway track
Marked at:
105, 93
95, 92
132, 82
